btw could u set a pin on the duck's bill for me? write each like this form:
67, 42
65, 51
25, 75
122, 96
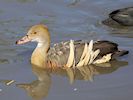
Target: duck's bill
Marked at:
23, 40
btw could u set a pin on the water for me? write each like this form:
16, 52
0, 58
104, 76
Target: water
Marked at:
66, 19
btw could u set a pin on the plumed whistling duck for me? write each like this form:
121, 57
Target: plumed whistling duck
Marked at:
123, 17
69, 53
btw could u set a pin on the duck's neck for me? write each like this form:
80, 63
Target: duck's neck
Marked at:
39, 56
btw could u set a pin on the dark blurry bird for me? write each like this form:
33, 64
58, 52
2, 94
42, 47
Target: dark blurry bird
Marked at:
122, 17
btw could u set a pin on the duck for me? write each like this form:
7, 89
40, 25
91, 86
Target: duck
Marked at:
123, 17
68, 53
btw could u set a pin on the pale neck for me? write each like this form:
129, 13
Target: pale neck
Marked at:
43, 46
39, 56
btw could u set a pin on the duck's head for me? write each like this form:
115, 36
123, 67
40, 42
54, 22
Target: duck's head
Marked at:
38, 33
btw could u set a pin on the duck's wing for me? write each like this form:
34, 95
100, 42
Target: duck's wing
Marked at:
105, 47
108, 47
59, 53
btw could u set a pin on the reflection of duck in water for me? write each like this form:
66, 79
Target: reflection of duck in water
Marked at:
88, 72
80, 53
120, 17
39, 88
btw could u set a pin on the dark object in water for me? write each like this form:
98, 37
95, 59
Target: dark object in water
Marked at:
123, 17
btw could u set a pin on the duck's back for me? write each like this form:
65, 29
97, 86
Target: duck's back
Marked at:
59, 53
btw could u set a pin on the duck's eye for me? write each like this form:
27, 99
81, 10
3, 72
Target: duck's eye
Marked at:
35, 33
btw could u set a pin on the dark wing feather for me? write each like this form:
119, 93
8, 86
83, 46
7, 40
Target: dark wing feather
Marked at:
105, 47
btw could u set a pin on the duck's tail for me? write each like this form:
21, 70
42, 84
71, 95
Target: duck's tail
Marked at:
120, 53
